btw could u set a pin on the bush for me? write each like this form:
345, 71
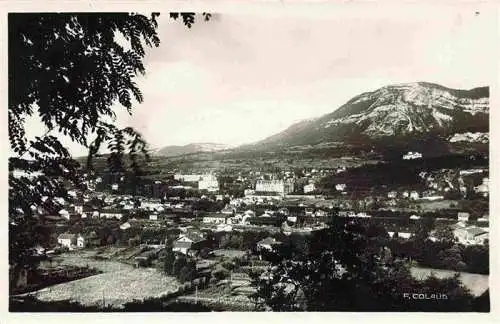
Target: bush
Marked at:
229, 265
221, 274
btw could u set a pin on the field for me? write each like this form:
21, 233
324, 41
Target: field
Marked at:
436, 205
476, 283
228, 253
120, 283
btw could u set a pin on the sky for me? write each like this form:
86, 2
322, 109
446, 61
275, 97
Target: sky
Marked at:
239, 78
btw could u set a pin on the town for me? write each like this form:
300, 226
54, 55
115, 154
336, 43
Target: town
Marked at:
218, 161
210, 230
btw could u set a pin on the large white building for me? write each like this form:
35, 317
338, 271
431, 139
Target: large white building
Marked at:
208, 182
279, 186
188, 177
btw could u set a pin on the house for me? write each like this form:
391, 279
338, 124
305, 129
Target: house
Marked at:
66, 240
215, 218
340, 187
153, 217
110, 213
80, 242
248, 192
414, 195
249, 213
78, 209
484, 218
114, 187
125, 226
463, 217
404, 235
224, 228
309, 212
392, 194
267, 244
309, 188
412, 156
483, 188
64, 213
190, 241
151, 204
228, 210
320, 213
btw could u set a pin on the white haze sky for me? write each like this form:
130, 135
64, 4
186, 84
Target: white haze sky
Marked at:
242, 77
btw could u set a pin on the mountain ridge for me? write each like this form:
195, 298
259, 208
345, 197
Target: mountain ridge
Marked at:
397, 110
201, 147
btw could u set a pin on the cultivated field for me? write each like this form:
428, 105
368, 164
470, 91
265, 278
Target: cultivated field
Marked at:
120, 283
476, 283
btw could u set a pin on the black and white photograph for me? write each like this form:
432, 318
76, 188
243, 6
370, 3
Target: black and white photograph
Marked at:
288, 160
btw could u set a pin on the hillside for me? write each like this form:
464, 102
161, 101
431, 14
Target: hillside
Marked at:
397, 112
175, 150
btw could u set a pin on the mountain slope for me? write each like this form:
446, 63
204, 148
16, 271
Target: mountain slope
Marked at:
395, 111
175, 150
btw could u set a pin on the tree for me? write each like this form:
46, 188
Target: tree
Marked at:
444, 234
344, 272
179, 263
188, 272
69, 70
168, 262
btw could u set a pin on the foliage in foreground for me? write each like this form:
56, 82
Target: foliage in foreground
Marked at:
347, 270
70, 71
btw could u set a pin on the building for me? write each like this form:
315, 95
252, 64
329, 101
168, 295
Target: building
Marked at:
125, 226
463, 217
79, 209
340, 187
191, 241
153, 217
281, 187
110, 214
414, 195
412, 156
392, 194
208, 182
228, 210
405, 235
215, 218
151, 204
483, 188
67, 240
248, 192
267, 244
64, 213
471, 235
188, 177
309, 188
80, 242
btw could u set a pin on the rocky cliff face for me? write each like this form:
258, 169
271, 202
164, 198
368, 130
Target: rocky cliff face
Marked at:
395, 111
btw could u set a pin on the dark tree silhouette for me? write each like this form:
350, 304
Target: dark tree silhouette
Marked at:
69, 69
345, 271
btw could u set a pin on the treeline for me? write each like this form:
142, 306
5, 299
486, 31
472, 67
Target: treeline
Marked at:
351, 267
399, 173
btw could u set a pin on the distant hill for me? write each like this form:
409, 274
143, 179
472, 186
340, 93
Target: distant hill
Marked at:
176, 150
396, 112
